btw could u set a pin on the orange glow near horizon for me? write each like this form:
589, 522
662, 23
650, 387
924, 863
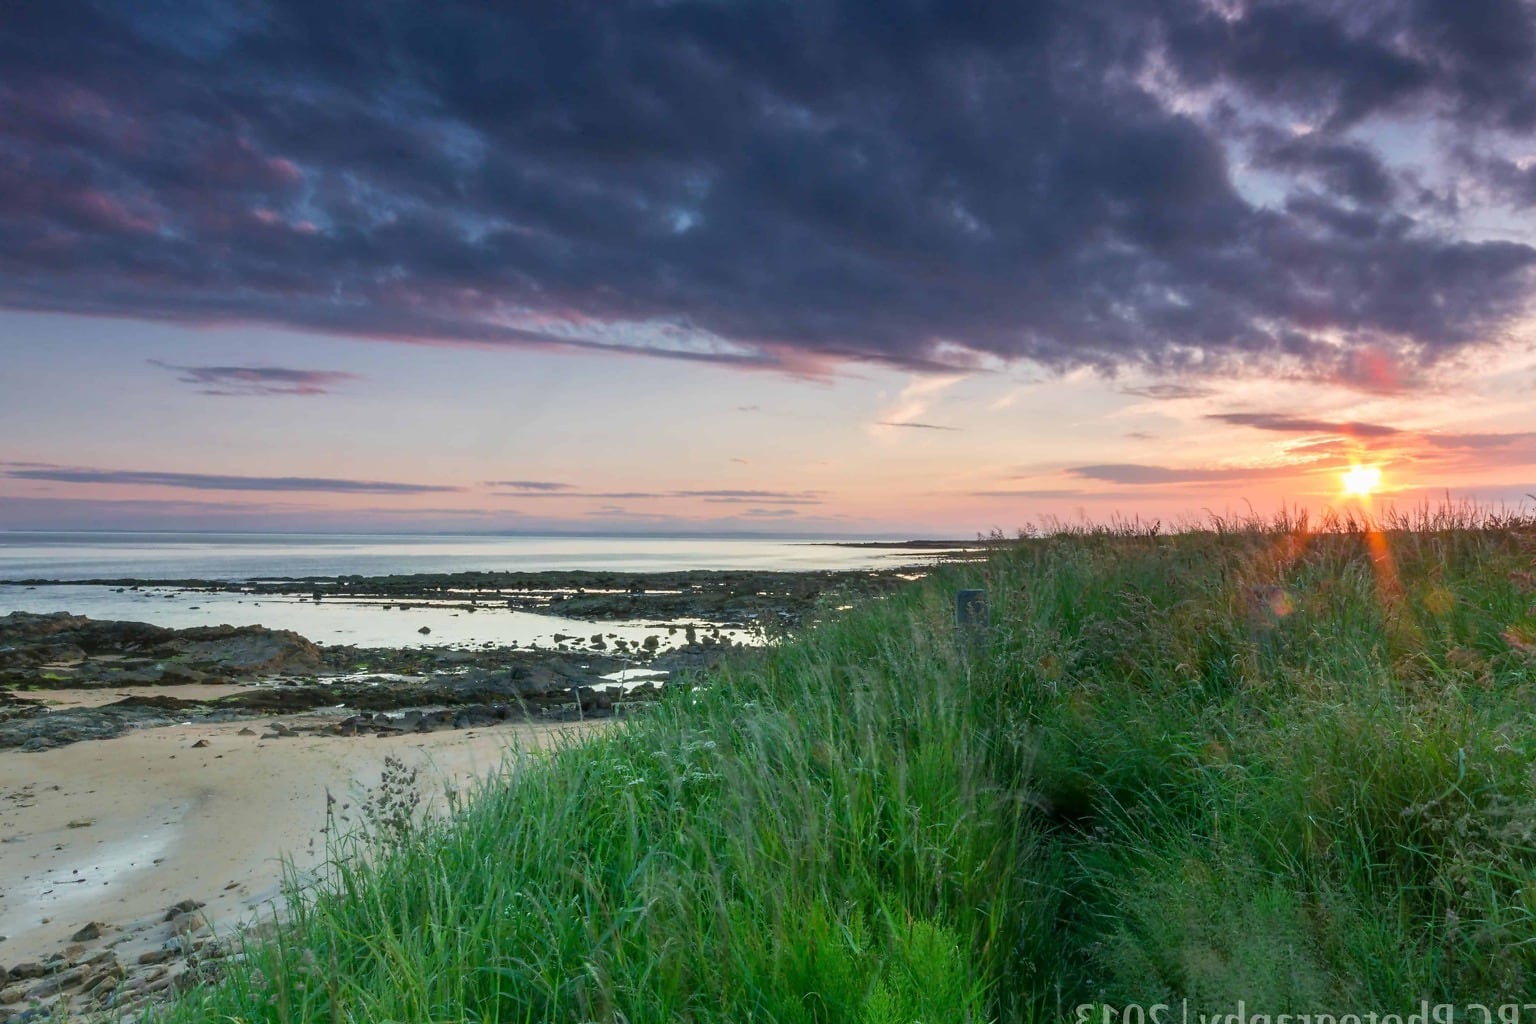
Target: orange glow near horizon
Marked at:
1361, 481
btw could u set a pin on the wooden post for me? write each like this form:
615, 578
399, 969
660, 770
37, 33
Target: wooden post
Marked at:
972, 617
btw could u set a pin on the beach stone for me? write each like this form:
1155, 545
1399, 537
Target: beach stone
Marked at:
200, 744
593, 700
30, 969
103, 972
189, 923
248, 650
88, 932
425, 630
52, 986
184, 907
155, 956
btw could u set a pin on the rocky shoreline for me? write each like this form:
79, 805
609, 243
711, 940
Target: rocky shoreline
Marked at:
388, 689
228, 699
277, 672
92, 978
741, 598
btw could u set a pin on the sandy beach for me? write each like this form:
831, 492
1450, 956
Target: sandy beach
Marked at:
117, 831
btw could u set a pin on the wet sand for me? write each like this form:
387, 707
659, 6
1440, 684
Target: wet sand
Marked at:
116, 831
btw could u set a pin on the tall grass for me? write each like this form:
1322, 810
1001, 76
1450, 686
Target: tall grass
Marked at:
1290, 764
810, 837
1287, 763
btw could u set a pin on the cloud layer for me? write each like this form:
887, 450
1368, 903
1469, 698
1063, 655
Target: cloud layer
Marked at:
257, 380
771, 184
213, 481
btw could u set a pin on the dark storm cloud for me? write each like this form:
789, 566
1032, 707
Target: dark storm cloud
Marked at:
1509, 181
217, 482
759, 184
1470, 59
1286, 424
257, 380
1346, 169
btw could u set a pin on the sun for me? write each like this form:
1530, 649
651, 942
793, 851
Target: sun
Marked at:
1361, 481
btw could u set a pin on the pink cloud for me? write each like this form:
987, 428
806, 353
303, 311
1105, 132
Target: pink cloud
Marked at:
104, 212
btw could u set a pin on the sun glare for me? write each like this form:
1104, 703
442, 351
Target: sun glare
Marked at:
1361, 481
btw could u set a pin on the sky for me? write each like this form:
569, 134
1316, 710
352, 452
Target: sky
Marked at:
886, 267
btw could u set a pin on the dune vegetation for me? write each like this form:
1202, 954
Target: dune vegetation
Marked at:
1287, 763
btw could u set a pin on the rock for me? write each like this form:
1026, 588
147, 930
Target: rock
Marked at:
30, 969
156, 956
593, 700
247, 731
189, 923
184, 907
88, 933
57, 983
425, 630
200, 744
166, 655
248, 650
31, 733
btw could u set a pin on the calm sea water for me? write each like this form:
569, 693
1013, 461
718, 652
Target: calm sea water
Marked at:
170, 556
242, 556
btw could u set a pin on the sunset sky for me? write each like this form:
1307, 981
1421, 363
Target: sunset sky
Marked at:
888, 267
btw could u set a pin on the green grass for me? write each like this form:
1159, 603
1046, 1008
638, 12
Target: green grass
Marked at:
1285, 764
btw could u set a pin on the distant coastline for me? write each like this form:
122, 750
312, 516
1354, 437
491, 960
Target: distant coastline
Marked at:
917, 545
117, 556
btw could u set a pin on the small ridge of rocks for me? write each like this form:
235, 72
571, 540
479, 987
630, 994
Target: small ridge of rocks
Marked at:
380, 691
97, 978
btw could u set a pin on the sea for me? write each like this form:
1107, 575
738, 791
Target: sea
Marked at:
237, 557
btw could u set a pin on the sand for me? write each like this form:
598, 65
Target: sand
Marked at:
116, 831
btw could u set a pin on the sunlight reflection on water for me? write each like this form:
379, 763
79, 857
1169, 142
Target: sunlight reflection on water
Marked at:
336, 622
